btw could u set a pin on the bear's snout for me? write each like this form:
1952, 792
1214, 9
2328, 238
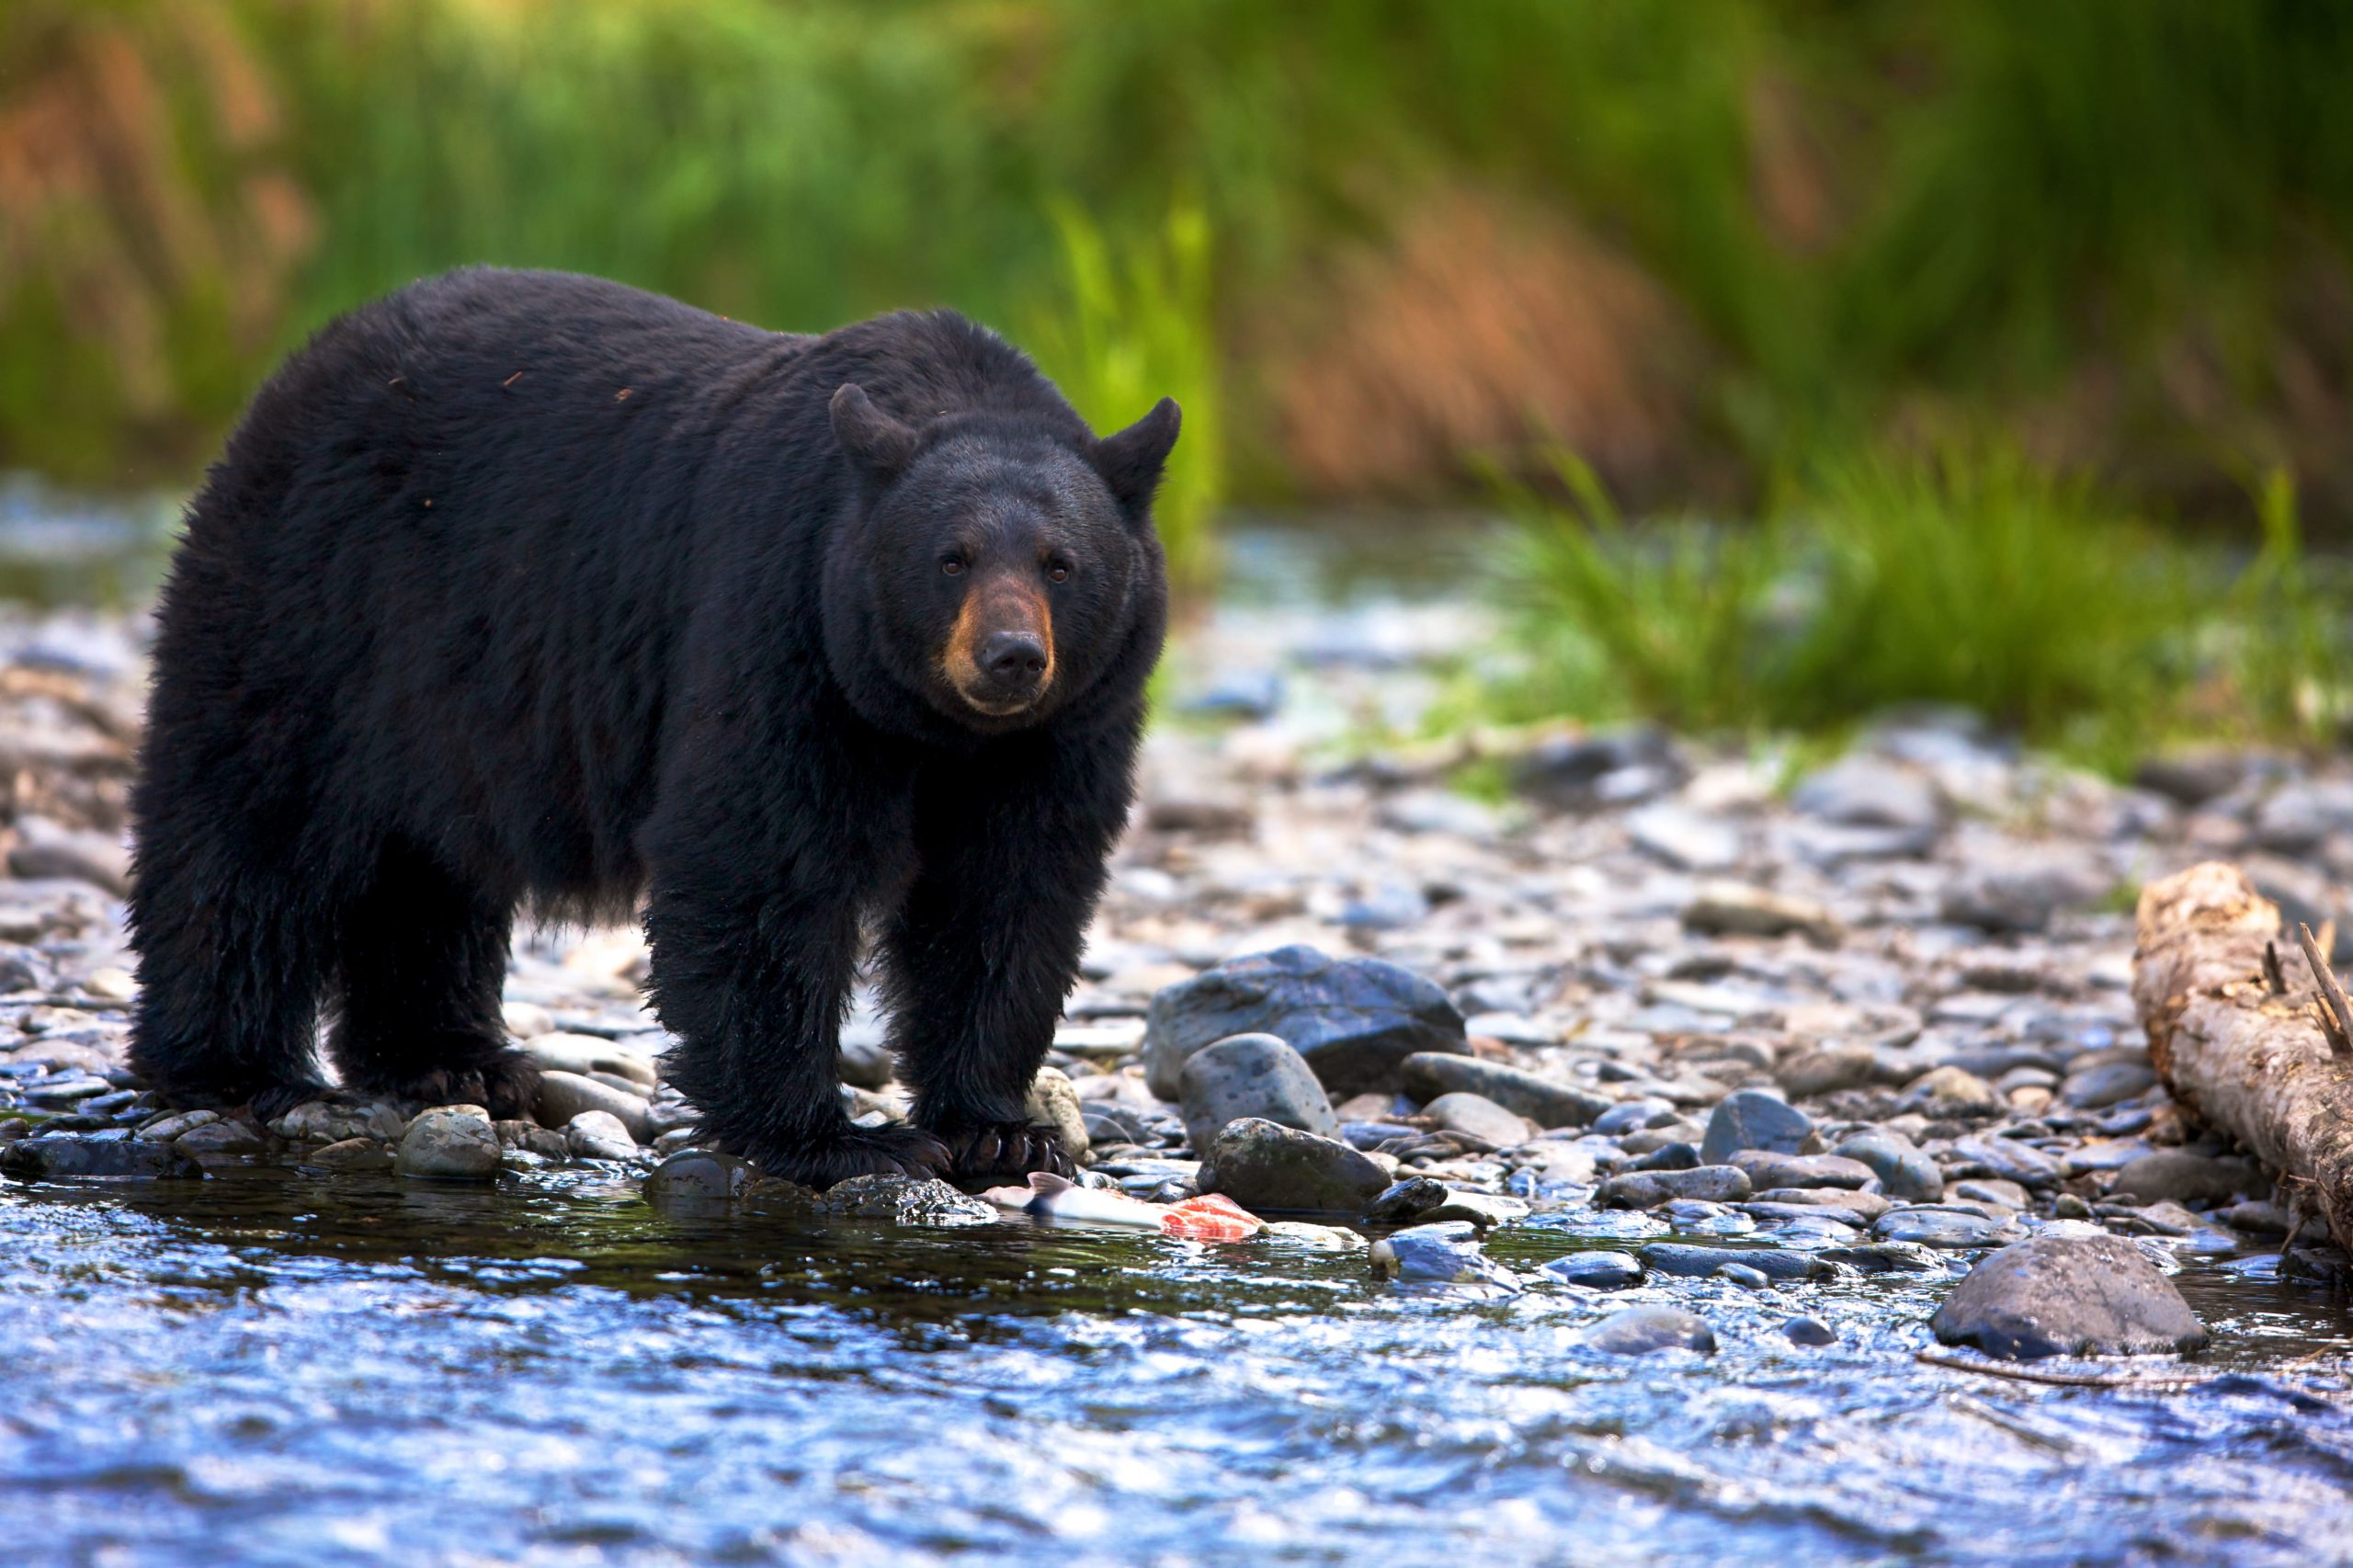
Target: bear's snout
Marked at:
1000, 656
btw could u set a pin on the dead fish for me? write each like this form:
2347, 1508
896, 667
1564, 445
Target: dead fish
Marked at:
1209, 1219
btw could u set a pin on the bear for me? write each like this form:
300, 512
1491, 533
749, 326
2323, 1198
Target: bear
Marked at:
522, 590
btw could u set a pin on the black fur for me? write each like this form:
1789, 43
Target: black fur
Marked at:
524, 588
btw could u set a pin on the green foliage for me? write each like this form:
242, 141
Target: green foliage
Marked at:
1973, 578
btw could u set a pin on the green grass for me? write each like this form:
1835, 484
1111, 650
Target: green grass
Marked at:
1972, 577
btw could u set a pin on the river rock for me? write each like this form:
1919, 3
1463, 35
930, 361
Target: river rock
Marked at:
1637, 1331
582, 1054
1865, 1207
2010, 1159
1479, 1117
1734, 909
1904, 1173
2018, 898
171, 1124
1686, 839
1689, 1260
225, 1136
1885, 1258
61, 1156
2186, 1176
563, 1094
1439, 1254
698, 1176
2091, 1088
1406, 1200
2068, 1296
598, 1135
1751, 1119
45, 849
1428, 1075
1251, 1076
1053, 1102
1353, 1020
1595, 1270
335, 1120
1769, 1170
1939, 1228
1648, 1189
354, 1155
1949, 1090
1826, 1069
1862, 791
450, 1143
904, 1201
1263, 1164
1808, 1331
1484, 1209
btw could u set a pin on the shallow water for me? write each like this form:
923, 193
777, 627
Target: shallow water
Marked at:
279, 1367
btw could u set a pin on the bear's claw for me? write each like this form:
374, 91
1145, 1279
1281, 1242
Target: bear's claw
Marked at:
505, 1084
1008, 1151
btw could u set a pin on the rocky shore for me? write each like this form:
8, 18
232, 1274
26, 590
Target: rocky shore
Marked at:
1756, 1017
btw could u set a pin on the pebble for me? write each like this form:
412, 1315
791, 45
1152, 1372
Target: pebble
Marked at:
1808, 1331
598, 1135
1936, 1228
1637, 1331
1263, 1165
2187, 1177
563, 1094
450, 1143
1595, 1270
1439, 1254
2068, 1296
1691, 1261
1647, 1189
1479, 1117
1751, 1119
698, 1176
1904, 1172
1252, 1075
1431, 1075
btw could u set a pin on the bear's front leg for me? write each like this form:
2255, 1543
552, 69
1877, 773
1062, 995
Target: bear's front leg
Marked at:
753, 919
985, 949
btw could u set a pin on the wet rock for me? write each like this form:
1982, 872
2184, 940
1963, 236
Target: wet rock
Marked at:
2010, 1159
1595, 1270
1751, 1119
1767, 1171
547, 1143
1316, 1238
1439, 1254
1353, 1020
1689, 1260
2187, 1177
1904, 1173
2068, 1296
1861, 791
1427, 1075
2257, 1217
1731, 909
63, 1157
333, 1121
1484, 1209
1479, 1117
222, 1137
1252, 1075
1627, 1116
564, 1094
1686, 839
353, 1154
1993, 1191
904, 1201
1637, 1331
698, 1176
1949, 1091
1826, 1069
170, 1125
1808, 1331
1647, 1189
1667, 1157
1053, 1102
2091, 1088
1939, 1228
598, 1135
1262, 1165
1742, 1275
1406, 1200
450, 1143
1885, 1258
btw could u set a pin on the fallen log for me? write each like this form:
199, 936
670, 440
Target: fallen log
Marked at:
2236, 1032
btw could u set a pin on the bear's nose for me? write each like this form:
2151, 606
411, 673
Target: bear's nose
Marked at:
1015, 658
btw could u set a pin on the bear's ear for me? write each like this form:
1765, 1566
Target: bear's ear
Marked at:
1130, 462
874, 440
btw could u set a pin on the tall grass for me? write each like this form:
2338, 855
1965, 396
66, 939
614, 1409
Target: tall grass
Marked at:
1972, 577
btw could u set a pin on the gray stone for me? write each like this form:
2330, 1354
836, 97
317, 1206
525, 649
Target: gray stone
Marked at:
563, 1096
1247, 1076
333, 1121
586, 1055
2297, 816
1808, 1331
1595, 1270
2187, 1177
1949, 1091
1439, 1254
1053, 1102
1628, 1116
1353, 1020
1262, 1165
1751, 1119
1637, 1331
548, 1142
222, 1137
1484, 1209
2091, 1088
1861, 791
354, 1154
1993, 1191
1744, 1275
1826, 1069
2068, 1296
1648, 1189
598, 1135
449, 1142
1731, 909
1684, 838
1479, 1117
1865, 1207
1427, 1075
1689, 1260
904, 1201
2010, 1159
1766, 1170
2018, 898
59, 1156
166, 1128
693, 1176
1667, 1157
1409, 1198
45, 849
1611, 767
1937, 1228
1904, 1173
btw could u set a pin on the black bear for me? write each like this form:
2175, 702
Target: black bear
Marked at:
522, 588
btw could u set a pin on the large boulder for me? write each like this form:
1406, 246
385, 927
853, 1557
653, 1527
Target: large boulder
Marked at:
2068, 1296
1252, 1074
1353, 1020
1428, 1074
1263, 1165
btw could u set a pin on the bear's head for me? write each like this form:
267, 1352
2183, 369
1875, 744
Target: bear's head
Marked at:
1004, 560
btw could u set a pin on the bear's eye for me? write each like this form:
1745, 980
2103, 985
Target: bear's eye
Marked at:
1058, 571
952, 564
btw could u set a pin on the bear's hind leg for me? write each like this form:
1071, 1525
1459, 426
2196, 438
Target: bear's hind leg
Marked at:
422, 957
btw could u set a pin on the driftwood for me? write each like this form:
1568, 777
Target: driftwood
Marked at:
2247, 1038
